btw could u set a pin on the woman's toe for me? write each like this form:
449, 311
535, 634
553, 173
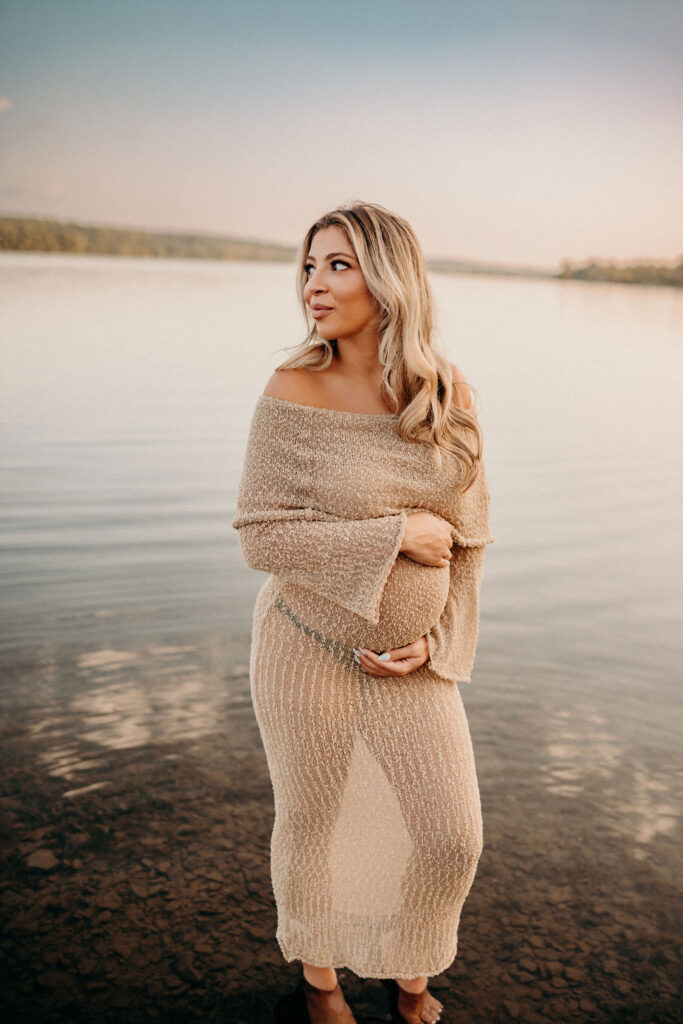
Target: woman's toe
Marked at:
432, 1012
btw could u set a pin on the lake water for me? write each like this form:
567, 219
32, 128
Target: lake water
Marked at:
127, 390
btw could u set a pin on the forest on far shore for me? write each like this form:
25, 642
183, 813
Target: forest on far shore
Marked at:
36, 234
625, 273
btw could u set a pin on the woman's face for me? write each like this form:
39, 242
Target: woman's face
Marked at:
335, 281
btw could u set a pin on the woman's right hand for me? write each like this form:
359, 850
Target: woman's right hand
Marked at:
427, 539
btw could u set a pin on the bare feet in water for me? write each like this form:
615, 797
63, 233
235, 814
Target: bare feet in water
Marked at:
325, 1002
418, 1006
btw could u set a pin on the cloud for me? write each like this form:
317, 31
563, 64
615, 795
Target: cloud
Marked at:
5, 103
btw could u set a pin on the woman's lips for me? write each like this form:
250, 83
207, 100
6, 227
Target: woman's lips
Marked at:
317, 313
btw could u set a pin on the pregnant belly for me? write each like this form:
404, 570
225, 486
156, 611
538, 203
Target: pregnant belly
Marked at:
413, 599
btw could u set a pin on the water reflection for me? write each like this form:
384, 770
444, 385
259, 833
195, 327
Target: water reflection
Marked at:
584, 756
578, 749
126, 699
654, 808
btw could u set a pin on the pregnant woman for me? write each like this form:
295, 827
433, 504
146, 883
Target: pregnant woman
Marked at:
364, 496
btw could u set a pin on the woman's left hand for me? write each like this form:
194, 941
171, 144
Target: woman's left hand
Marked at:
401, 660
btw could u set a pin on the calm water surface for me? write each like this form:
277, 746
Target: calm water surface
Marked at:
127, 389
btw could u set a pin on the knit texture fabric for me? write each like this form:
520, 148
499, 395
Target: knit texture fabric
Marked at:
378, 826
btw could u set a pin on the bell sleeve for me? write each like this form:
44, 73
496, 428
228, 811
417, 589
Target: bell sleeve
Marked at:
344, 560
281, 531
452, 640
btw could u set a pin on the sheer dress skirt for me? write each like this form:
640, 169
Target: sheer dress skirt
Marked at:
378, 825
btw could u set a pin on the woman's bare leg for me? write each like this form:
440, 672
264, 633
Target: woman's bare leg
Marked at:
321, 977
413, 984
416, 1004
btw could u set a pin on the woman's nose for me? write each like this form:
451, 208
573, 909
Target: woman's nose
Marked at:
314, 284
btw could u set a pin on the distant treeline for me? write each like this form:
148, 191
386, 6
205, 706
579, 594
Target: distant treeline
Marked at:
35, 234
632, 273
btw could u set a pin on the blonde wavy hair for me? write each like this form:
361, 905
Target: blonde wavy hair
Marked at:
416, 375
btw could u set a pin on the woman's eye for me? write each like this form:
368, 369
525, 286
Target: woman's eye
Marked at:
309, 266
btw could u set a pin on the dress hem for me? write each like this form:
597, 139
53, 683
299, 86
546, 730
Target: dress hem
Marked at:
428, 972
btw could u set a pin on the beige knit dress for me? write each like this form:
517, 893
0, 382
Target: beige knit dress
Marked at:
378, 826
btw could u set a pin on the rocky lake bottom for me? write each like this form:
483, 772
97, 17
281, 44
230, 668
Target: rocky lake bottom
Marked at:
137, 810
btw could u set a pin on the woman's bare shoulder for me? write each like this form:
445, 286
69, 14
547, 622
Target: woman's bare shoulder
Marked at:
299, 384
461, 388
293, 385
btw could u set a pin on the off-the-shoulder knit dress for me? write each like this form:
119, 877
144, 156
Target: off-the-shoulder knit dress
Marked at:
378, 825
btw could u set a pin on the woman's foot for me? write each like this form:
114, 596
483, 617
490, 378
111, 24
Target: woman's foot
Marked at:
325, 1005
419, 1007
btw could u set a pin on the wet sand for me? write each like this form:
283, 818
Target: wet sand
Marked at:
137, 811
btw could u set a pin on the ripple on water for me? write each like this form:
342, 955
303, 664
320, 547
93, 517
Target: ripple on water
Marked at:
583, 757
114, 699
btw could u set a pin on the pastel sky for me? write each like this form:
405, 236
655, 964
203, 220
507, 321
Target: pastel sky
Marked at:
516, 131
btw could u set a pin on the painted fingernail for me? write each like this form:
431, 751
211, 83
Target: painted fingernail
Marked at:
385, 656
